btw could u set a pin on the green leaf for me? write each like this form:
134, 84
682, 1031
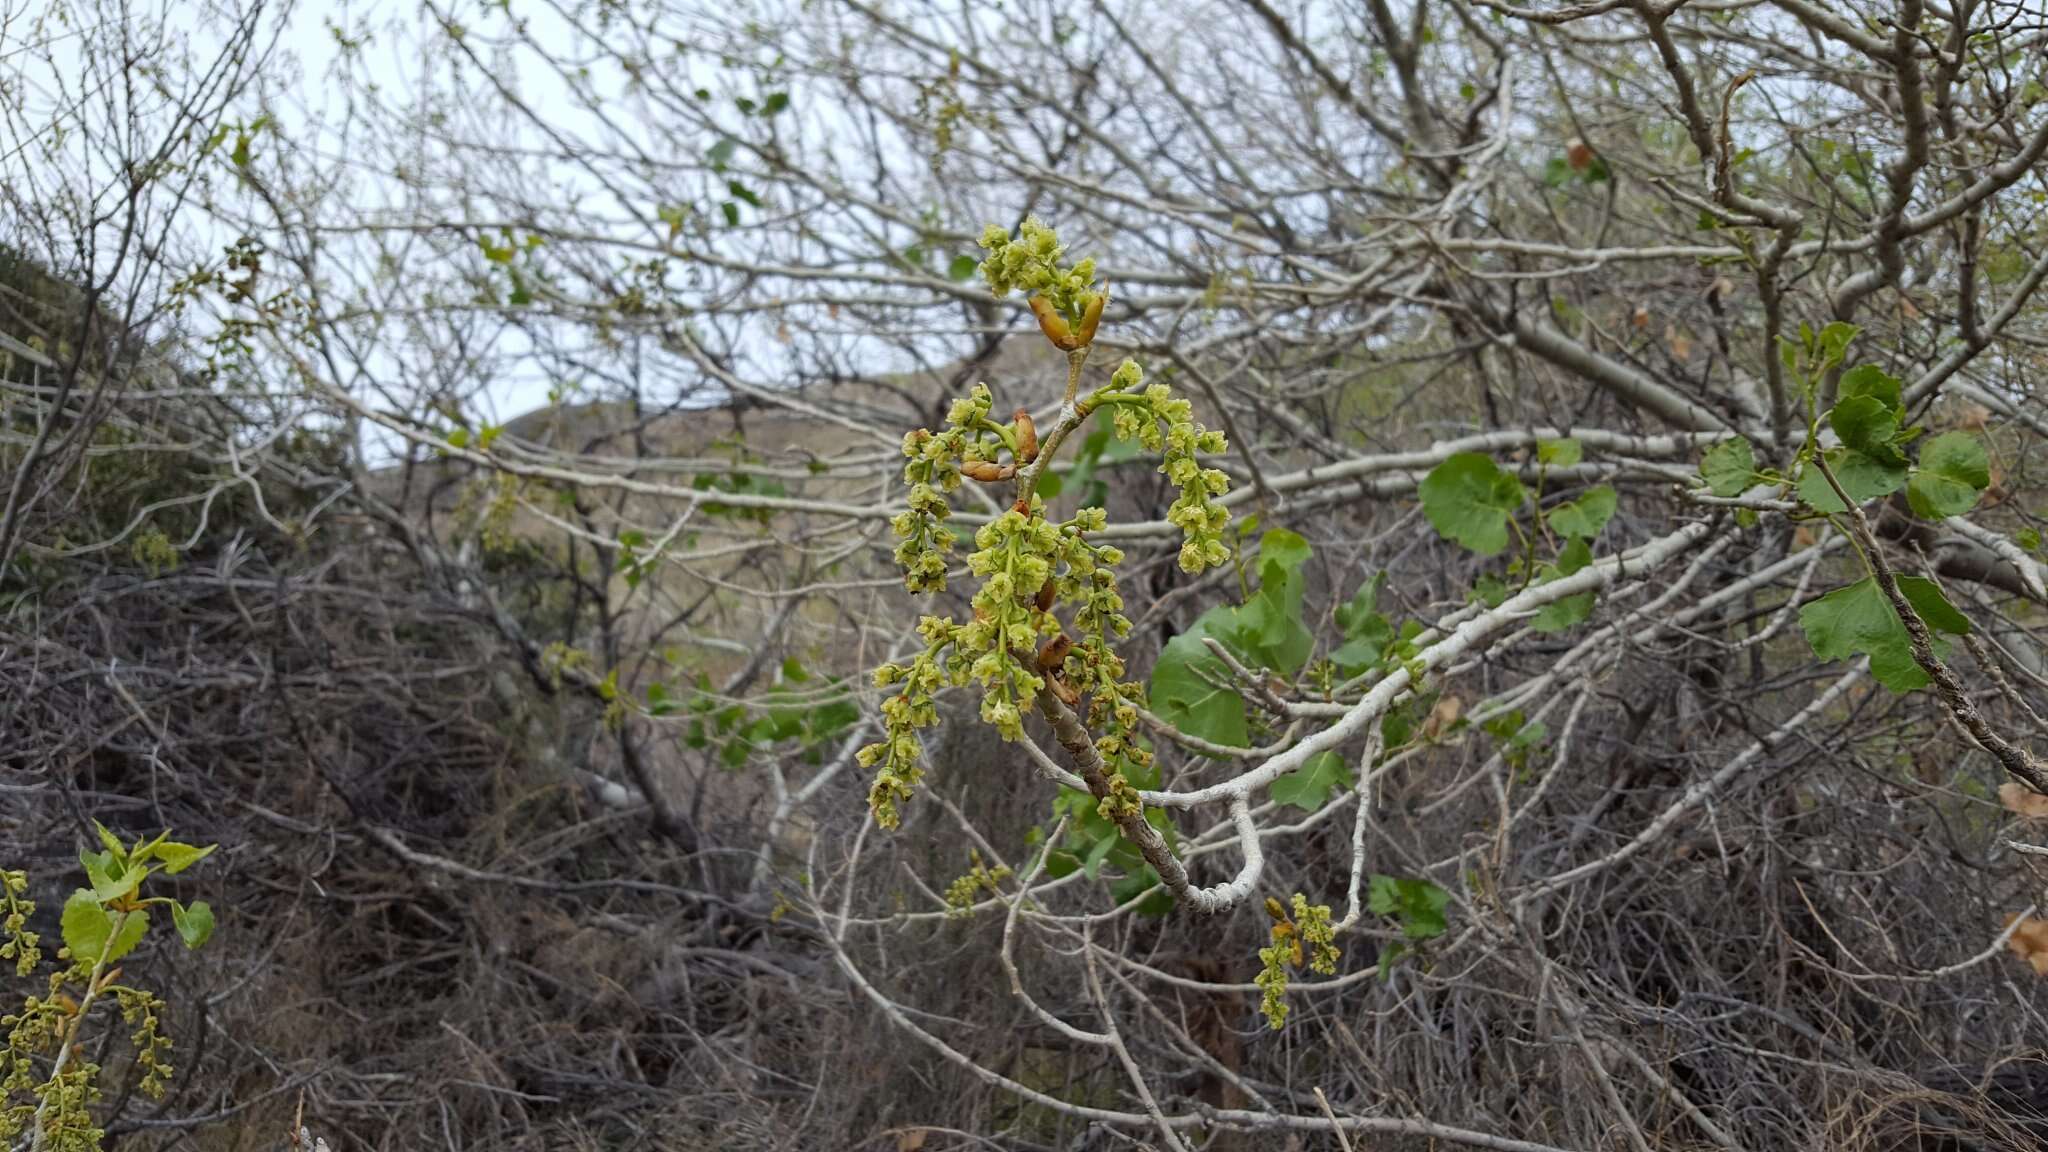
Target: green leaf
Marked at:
1309, 786
1859, 619
774, 102
1287, 549
1932, 606
111, 842
1092, 862
721, 152
1468, 499
458, 438
1190, 703
86, 925
1585, 516
1559, 615
120, 884
734, 754
962, 268
1490, 590
1834, 341
128, 935
1560, 453
1266, 630
194, 923
1953, 472
731, 212
1871, 381
1860, 476
1729, 467
1362, 609
1158, 904
178, 857
658, 701
1366, 632
1514, 733
101, 867
1417, 904
1866, 425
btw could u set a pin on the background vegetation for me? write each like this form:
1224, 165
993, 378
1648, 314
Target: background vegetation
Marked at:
450, 452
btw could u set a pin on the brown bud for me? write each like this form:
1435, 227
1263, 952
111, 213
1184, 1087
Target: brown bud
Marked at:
1064, 691
1046, 591
1027, 437
1090, 317
987, 471
1053, 324
1054, 653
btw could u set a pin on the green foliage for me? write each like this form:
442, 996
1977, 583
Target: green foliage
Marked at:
1729, 467
1101, 446
1953, 473
1868, 417
1093, 839
48, 1085
1862, 477
1859, 620
1191, 687
1514, 736
1367, 634
1560, 615
1815, 353
1310, 786
1469, 500
786, 720
1416, 905
1584, 517
1473, 501
1559, 453
740, 484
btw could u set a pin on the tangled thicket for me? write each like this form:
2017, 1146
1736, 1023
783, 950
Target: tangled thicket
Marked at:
1482, 777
